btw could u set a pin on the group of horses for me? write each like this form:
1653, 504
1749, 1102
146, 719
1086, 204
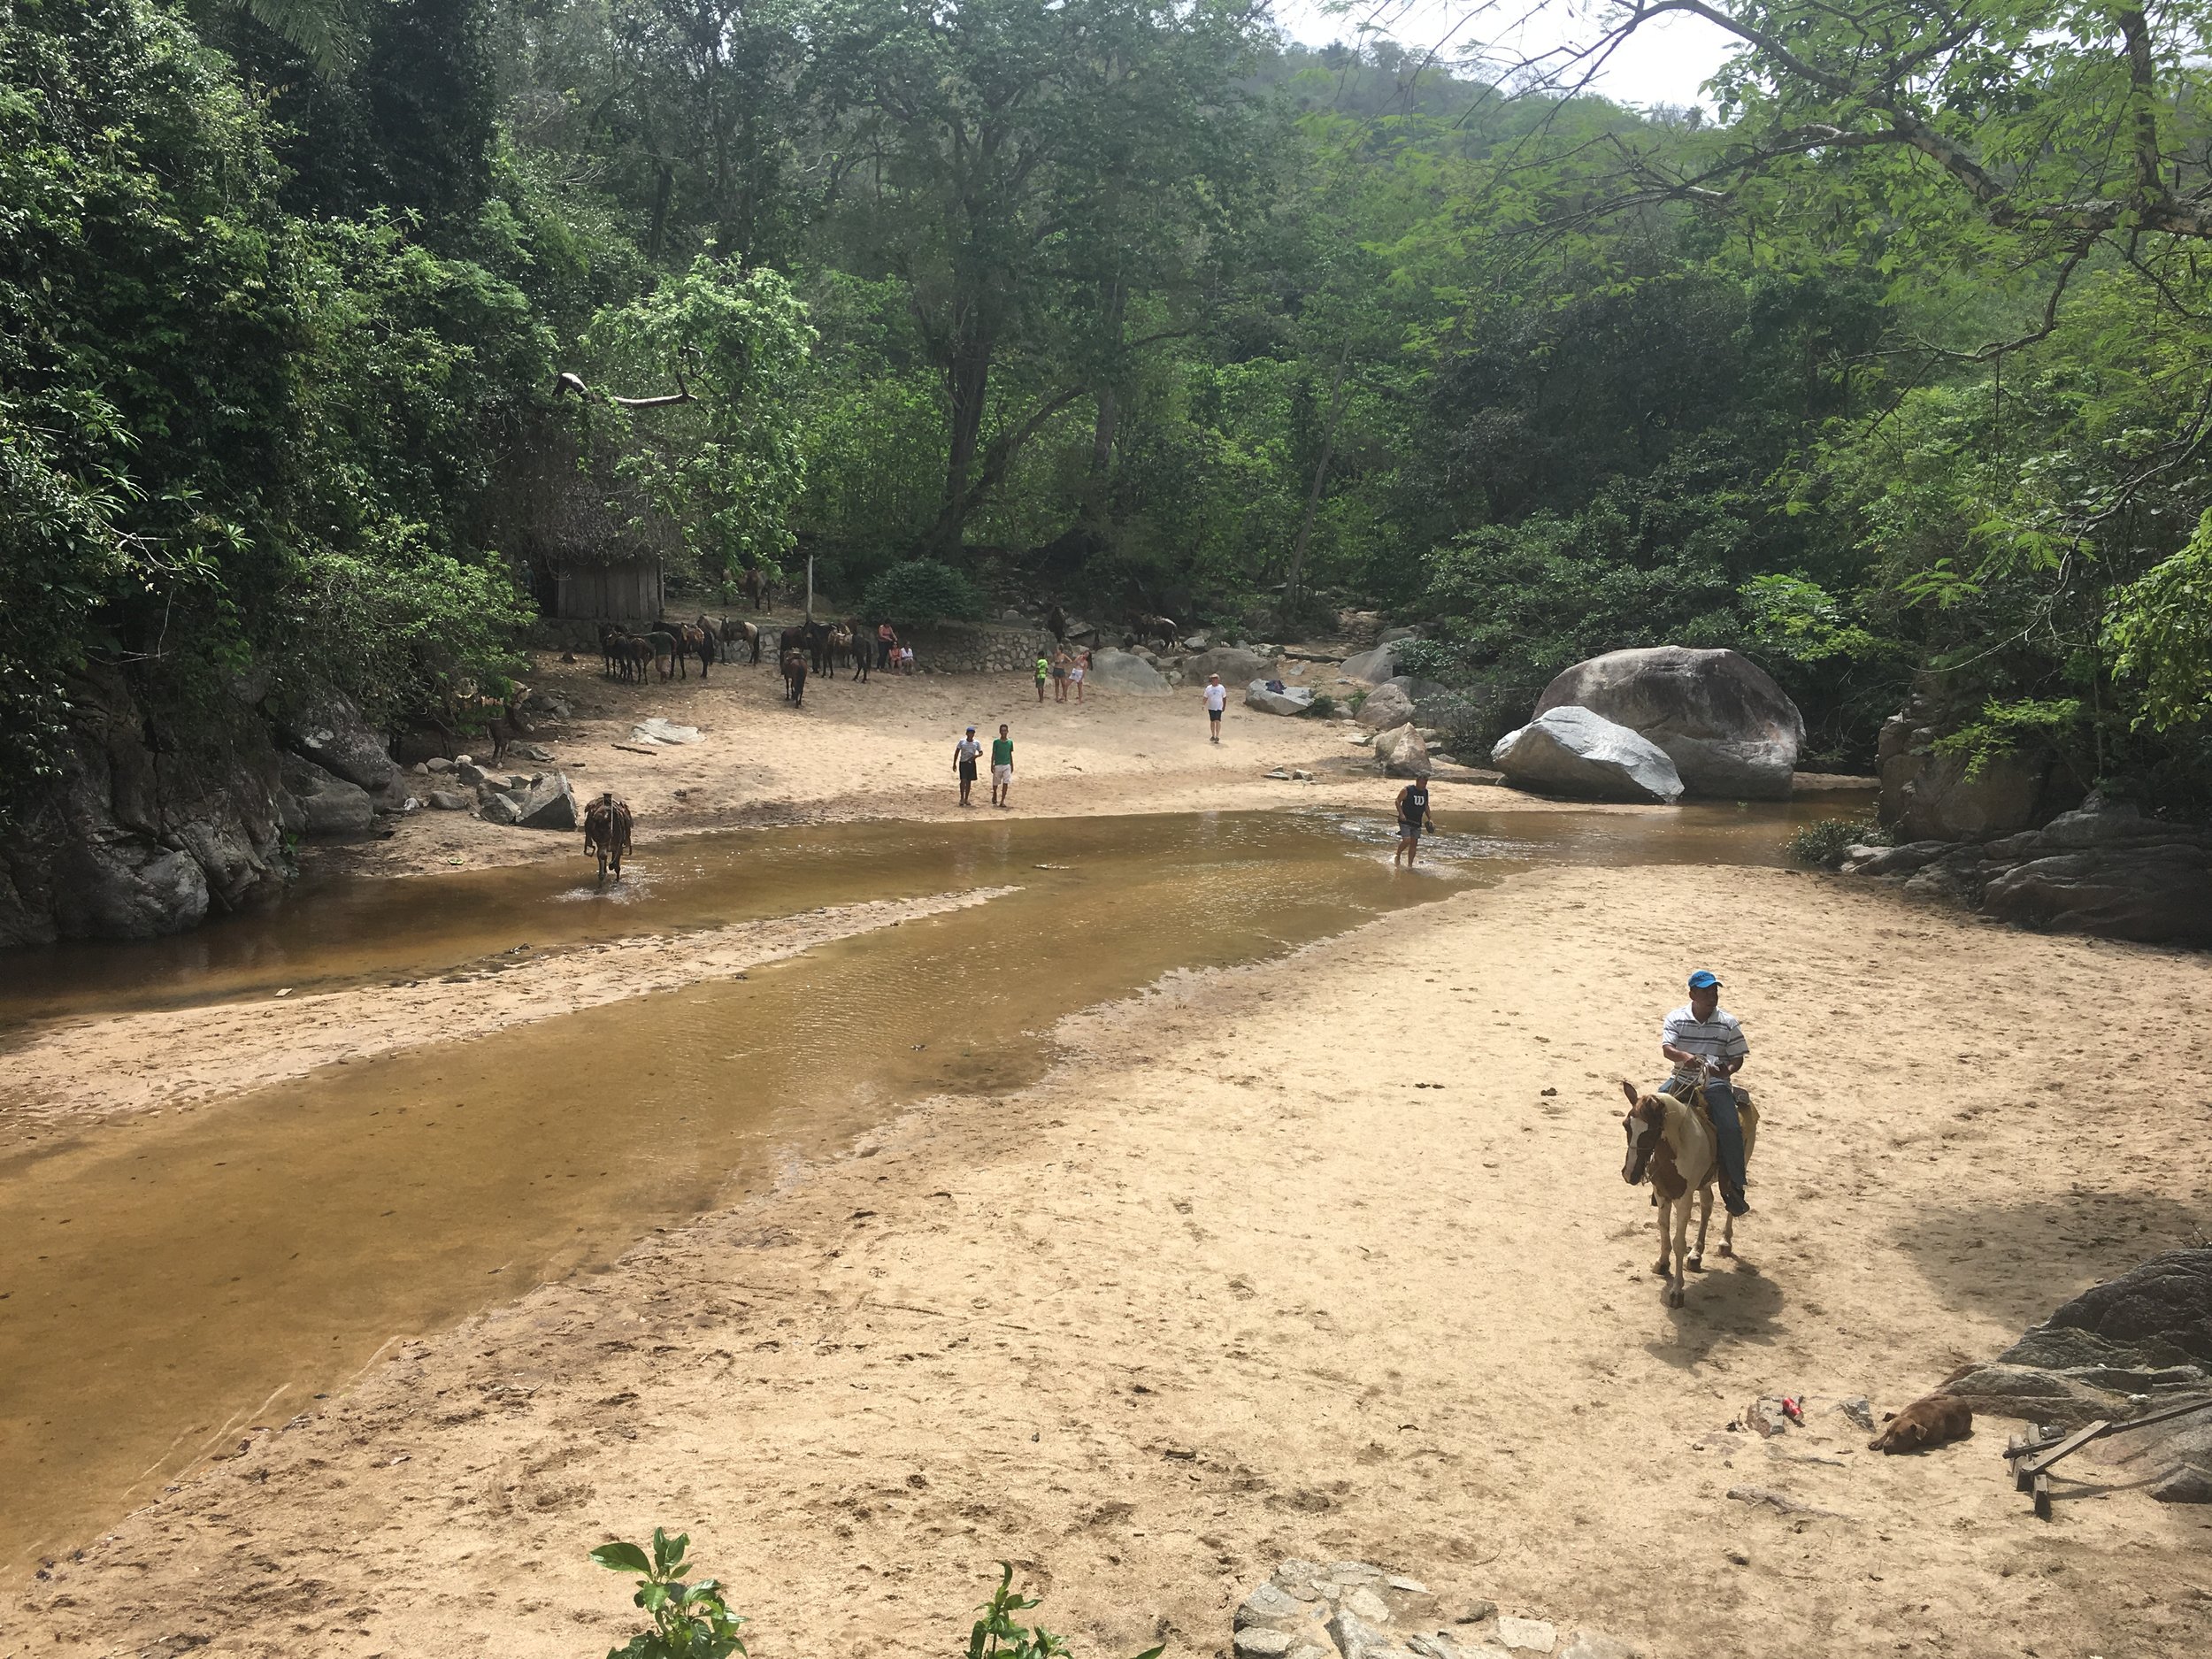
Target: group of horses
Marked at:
668, 649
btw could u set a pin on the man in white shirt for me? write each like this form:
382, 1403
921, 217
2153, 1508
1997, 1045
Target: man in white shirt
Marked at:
1707, 1047
1217, 699
965, 753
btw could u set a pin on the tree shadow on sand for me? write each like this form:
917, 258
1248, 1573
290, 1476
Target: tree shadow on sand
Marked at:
2019, 1261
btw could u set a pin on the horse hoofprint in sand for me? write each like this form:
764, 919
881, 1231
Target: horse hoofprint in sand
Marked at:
1671, 1142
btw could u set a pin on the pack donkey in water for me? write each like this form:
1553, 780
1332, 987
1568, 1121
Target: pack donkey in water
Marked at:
607, 832
1671, 1141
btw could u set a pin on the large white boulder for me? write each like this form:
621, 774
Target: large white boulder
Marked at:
551, 805
1572, 752
1385, 707
1291, 700
1372, 667
1120, 671
1402, 752
1234, 665
1729, 729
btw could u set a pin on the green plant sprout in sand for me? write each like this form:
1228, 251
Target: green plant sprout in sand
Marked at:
693, 1622
690, 1621
996, 1635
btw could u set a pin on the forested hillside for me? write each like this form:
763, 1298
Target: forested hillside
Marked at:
1901, 363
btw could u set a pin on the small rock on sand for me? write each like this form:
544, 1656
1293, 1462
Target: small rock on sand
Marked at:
1526, 1635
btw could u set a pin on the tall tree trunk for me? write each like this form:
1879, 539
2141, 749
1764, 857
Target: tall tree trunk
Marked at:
967, 386
1102, 439
1295, 582
663, 184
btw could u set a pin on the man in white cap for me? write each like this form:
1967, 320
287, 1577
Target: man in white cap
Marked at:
1707, 1048
1217, 699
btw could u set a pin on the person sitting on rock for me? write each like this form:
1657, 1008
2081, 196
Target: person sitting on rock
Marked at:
1707, 1048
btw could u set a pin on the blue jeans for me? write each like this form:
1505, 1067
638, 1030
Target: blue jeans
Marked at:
1720, 1100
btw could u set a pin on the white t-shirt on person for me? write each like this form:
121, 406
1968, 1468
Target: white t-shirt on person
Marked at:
1216, 699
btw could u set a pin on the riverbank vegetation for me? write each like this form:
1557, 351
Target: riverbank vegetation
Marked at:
1895, 359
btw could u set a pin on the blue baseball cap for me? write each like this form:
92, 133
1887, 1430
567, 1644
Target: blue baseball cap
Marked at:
1702, 980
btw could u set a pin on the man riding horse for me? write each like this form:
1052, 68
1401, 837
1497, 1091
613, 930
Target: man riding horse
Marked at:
1707, 1047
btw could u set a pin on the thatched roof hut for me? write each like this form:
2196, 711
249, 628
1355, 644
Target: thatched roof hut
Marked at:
589, 544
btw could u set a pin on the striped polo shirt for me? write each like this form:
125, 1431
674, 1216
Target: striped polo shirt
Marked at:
1719, 1038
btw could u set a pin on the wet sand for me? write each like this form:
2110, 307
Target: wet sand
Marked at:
1229, 1285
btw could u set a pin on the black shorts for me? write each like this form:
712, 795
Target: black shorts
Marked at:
967, 771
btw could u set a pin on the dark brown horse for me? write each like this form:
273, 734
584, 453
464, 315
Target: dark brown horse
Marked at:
1161, 628
754, 585
794, 678
607, 832
634, 656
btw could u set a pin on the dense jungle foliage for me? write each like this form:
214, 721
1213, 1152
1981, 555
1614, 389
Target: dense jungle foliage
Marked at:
1898, 361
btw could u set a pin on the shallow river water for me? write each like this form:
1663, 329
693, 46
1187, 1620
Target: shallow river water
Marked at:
167, 1281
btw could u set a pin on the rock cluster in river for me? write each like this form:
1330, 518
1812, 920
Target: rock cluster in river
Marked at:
2103, 868
1351, 1610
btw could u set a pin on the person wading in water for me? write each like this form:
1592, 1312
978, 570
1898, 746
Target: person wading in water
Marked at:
1413, 817
1707, 1048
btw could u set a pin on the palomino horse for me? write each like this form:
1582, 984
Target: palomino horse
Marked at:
1671, 1141
607, 832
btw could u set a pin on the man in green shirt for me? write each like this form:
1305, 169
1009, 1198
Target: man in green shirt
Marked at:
1002, 765
1043, 668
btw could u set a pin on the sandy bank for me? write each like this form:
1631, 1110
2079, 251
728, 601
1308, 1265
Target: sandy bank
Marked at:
79, 1069
1233, 1286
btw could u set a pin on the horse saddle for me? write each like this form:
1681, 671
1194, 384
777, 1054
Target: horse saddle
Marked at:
1746, 1116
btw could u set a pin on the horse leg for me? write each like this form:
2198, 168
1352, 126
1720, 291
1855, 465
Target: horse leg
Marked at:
1666, 1211
1681, 1249
1727, 1233
1697, 1263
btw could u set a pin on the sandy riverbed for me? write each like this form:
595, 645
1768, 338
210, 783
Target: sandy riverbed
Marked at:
1229, 1287
884, 749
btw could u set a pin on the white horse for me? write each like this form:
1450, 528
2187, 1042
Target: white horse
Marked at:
1671, 1141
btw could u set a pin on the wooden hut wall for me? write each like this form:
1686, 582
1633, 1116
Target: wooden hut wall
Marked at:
627, 592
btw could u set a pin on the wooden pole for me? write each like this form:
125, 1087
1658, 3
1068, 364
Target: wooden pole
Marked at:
810, 587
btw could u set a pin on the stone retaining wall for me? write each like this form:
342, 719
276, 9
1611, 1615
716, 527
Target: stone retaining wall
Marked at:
976, 648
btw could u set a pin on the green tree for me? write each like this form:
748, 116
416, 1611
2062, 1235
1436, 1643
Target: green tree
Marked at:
1025, 172
722, 453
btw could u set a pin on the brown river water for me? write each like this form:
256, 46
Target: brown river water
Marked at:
168, 1281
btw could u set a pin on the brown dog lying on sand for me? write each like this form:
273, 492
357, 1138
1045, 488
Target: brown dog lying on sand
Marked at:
1931, 1420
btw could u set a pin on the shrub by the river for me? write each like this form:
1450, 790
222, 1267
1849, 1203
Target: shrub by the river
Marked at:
1821, 843
920, 591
